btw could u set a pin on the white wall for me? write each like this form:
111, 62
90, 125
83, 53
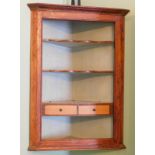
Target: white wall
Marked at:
129, 78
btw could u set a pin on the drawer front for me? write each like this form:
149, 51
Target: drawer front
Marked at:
94, 110
60, 110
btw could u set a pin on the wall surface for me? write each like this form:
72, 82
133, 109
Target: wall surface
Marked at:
129, 77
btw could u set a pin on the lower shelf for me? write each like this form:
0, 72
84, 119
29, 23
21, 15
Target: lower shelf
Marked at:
77, 109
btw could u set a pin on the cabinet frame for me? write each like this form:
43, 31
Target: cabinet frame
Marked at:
39, 12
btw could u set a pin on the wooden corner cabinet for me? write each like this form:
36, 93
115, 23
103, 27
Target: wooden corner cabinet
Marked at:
77, 77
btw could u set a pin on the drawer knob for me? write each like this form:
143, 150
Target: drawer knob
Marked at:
94, 109
60, 109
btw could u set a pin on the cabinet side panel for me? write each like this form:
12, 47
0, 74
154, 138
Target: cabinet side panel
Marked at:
35, 79
119, 80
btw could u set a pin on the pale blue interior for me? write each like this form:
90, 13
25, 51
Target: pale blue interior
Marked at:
71, 86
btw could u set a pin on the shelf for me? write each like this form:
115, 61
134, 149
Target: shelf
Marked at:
76, 108
74, 102
79, 71
74, 43
66, 137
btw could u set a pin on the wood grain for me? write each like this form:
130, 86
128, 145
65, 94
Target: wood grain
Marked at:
77, 144
35, 79
43, 6
119, 81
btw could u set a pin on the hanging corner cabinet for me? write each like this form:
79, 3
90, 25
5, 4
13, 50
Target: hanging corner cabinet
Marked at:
77, 77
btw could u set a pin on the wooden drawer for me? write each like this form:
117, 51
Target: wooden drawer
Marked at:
60, 110
94, 110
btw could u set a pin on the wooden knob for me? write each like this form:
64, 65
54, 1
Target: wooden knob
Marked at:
94, 109
60, 109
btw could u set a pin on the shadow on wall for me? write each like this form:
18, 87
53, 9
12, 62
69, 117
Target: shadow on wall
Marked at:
92, 152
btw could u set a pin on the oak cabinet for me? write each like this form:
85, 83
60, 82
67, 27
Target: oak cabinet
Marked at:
77, 77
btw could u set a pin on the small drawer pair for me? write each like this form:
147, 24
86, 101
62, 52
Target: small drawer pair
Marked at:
81, 110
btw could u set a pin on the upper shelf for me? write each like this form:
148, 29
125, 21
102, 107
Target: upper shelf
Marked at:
79, 71
72, 43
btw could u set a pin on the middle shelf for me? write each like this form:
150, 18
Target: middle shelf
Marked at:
74, 43
76, 108
79, 71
